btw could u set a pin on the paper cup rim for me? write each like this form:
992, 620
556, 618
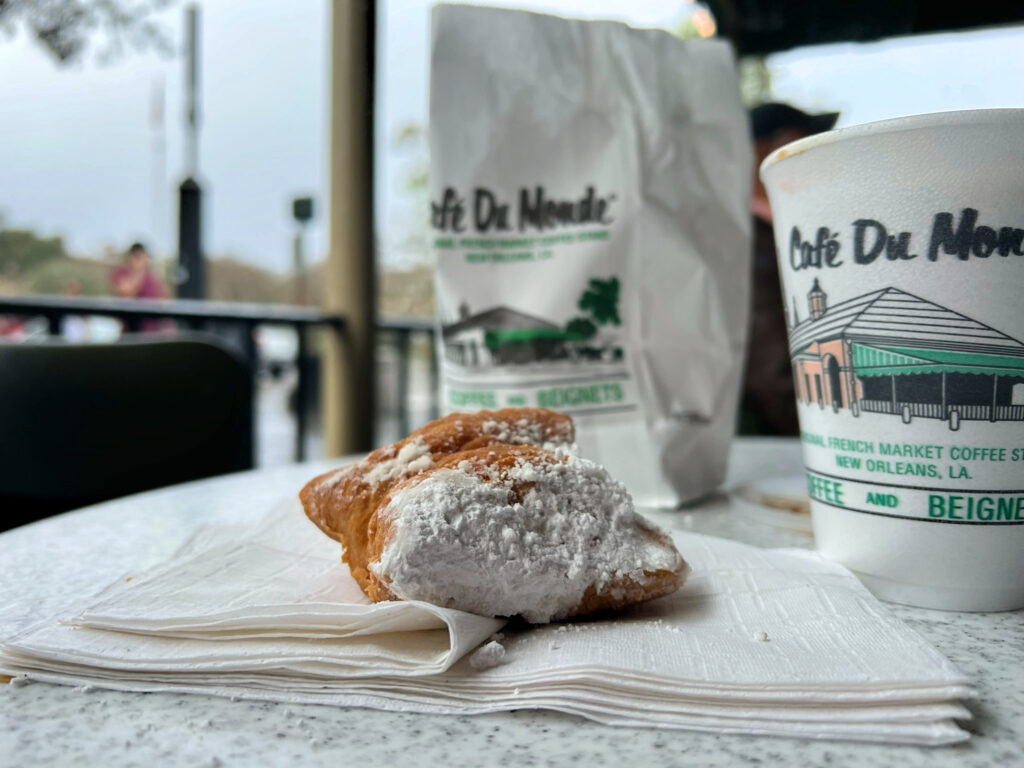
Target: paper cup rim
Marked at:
893, 125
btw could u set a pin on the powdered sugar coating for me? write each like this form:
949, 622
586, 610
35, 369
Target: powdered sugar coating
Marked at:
527, 539
407, 459
342, 503
411, 458
525, 431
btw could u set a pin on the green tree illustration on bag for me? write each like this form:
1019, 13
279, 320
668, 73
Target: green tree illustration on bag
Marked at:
600, 299
582, 327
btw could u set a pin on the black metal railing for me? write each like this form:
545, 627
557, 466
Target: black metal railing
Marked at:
400, 333
196, 315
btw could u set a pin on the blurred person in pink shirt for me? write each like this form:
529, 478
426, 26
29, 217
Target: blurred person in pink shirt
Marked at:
135, 279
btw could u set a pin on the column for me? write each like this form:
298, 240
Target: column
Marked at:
348, 389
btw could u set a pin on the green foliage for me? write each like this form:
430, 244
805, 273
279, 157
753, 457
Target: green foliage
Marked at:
229, 279
90, 278
406, 292
21, 250
417, 179
754, 75
601, 300
582, 327
755, 80
409, 133
33, 264
687, 30
411, 139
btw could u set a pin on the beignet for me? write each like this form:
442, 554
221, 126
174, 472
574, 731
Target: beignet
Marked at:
494, 528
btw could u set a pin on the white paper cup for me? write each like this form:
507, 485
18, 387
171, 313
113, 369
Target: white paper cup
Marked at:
901, 249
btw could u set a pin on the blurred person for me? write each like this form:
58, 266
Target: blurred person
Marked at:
135, 279
11, 328
768, 405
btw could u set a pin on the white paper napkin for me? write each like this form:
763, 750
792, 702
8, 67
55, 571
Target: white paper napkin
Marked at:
758, 641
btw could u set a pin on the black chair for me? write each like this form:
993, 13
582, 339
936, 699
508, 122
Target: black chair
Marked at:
82, 423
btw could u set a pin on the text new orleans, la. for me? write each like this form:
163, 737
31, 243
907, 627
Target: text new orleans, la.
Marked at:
486, 212
964, 238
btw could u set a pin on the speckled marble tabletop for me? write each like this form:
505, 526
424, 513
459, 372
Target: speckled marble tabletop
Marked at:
49, 566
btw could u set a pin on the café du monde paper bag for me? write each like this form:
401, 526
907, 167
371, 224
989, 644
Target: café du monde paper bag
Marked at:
590, 191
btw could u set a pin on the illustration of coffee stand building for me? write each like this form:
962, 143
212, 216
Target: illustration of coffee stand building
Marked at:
502, 336
892, 352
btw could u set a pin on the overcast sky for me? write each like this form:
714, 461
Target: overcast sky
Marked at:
79, 154
79, 149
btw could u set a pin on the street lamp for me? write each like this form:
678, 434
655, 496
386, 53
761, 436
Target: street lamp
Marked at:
302, 212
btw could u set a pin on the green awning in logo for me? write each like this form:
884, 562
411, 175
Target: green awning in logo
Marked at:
495, 339
869, 360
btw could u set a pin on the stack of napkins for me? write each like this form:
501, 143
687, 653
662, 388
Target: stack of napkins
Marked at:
757, 641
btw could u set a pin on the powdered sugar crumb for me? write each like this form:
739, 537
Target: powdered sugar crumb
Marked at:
412, 458
528, 432
460, 542
334, 478
488, 655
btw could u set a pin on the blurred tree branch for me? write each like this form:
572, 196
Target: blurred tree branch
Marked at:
63, 27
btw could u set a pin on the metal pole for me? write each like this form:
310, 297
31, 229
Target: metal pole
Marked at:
302, 212
191, 91
299, 267
251, 354
158, 208
435, 377
402, 347
190, 247
301, 395
191, 283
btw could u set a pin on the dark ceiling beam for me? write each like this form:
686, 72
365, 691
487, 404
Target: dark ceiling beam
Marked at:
759, 27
